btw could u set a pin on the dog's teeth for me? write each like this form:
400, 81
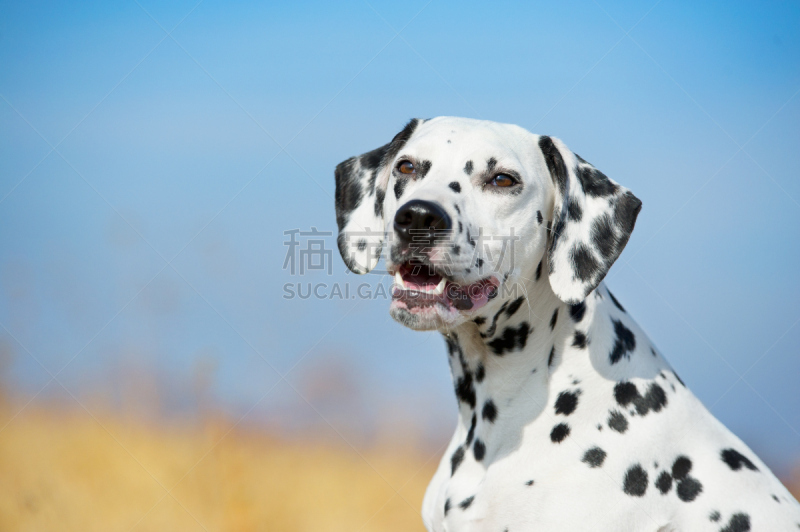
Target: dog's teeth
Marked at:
398, 280
439, 290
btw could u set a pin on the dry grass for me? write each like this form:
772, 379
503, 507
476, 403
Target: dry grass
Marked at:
64, 471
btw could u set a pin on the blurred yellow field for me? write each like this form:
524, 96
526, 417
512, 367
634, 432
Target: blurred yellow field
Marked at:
69, 471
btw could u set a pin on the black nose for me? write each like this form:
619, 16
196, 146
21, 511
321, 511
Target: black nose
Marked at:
421, 222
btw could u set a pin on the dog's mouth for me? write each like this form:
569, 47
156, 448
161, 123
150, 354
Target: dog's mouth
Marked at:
423, 289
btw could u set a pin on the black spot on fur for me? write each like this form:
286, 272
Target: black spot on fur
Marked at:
511, 339
625, 213
480, 320
491, 163
529, 483
465, 391
539, 217
681, 467
594, 457
583, 262
423, 169
574, 211
399, 187
714, 516
594, 182
459, 212
678, 379
479, 449
566, 403
553, 319
456, 250
349, 191
580, 341
614, 300
514, 306
654, 400
617, 422
664, 482
625, 392
603, 236
635, 482
555, 163
468, 168
456, 459
372, 160
552, 356
466, 502
380, 195
460, 227
539, 270
688, 489
491, 330
736, 460
489, 412
362, 245
455, 186
577, 311
453, 347
446, 506
738, 523
480, 373
624, 343
559, 433
471, 431
557, 230
775, 498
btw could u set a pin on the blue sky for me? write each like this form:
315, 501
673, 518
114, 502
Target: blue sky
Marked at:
150, 241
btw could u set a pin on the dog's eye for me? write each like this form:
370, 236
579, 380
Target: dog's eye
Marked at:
406, 167
502, 180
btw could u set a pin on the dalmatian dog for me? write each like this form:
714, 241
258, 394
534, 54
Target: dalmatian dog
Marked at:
569, 418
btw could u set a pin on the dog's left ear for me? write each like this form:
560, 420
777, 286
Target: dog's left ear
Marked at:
593, 217
360, 190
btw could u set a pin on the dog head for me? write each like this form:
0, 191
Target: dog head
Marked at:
466, 207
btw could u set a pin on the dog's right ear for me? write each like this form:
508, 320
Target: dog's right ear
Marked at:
360, 191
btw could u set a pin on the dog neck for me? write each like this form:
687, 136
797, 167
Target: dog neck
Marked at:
502, 366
